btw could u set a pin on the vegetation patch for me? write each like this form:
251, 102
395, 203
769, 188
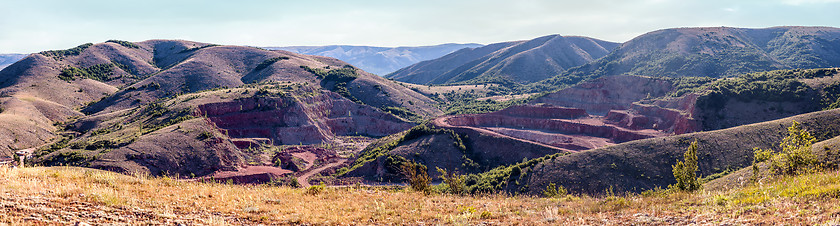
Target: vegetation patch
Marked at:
499, 178
339, 76
60, 54
269, 62
99, 72
125, 43
376, 150
197, 48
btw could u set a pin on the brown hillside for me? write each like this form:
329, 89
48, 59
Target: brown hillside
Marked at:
644, 164
516, 62
54, 86
212, 132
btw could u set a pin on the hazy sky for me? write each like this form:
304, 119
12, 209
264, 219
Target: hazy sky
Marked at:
35, 25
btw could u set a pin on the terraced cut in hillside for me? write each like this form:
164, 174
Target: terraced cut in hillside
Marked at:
563, 120
569, 129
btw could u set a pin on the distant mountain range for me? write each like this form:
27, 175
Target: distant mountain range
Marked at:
9, 59
518, 61
378, 60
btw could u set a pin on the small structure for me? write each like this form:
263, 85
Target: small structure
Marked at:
22, 155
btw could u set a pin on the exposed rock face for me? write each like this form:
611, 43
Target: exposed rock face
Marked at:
557, 128
307, 120
561, 119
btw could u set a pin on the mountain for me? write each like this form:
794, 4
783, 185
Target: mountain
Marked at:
713, 52
191, 108
508, 62
378, 60
9, 59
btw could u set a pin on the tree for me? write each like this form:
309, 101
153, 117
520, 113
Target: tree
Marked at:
796, 156
452, 180
417, 177
686, 171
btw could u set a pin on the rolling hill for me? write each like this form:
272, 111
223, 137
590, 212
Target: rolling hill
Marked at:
378, 60
190, 108
713, 52
517, 62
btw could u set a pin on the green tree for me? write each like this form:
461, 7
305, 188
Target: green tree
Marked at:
417, 177
796, 156
686, 171
552, 191
452, 180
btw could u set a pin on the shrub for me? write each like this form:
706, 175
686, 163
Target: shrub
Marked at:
453, 181
795, 157
686, 171
417, 177
552, 191
315, 189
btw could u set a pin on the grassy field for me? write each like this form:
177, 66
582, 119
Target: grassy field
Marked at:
65, 195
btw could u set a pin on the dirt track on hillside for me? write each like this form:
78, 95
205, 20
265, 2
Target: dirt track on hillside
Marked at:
304, 179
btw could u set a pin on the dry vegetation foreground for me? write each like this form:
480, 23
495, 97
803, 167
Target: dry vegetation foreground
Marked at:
64, 195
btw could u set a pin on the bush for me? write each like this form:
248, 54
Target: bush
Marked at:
796, 156
453, 181
552, 191
417, 177
686, 172
314, 189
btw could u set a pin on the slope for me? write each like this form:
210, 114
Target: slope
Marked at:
713, 52
378, 60
644, 164
41, 92
517, 62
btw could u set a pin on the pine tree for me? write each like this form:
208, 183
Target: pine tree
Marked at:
686, 171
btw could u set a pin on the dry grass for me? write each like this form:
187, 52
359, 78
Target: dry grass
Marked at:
810, 199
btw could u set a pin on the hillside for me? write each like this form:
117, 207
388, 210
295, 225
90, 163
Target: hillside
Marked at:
67, 195
602, 113
9, 59
518, 62
195, 109
713, 52
379, 60
634, 167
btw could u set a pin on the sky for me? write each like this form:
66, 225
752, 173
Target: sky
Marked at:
28, 26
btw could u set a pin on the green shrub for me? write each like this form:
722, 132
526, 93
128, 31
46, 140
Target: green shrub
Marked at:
453, 181
686, 171
552, 191
796, 156
417, 176
315, 189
